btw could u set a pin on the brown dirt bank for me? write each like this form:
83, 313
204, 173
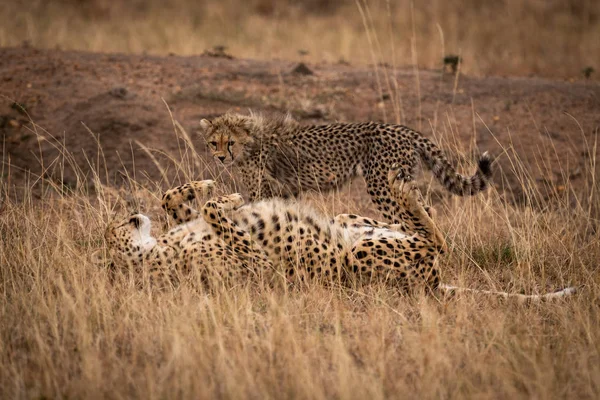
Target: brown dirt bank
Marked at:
74, 98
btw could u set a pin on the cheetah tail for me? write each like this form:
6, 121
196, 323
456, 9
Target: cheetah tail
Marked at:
448, 290
446, 174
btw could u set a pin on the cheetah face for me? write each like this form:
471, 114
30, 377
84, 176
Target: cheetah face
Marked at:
129, 239
226, 138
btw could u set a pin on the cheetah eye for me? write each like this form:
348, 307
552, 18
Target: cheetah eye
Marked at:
230, 143
213, 144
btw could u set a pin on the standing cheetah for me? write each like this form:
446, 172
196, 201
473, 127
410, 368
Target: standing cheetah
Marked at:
279, 157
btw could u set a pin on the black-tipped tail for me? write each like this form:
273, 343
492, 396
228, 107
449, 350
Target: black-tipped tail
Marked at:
485, 165
446, 174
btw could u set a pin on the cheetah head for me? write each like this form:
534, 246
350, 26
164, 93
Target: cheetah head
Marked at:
227, 136
129, 239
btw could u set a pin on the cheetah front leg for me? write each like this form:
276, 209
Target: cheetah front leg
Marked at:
173, 201
235, 237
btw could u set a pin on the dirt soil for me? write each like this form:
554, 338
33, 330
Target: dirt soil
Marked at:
78, 100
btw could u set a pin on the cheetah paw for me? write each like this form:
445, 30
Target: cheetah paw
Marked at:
397, 175
206, 186
232, 201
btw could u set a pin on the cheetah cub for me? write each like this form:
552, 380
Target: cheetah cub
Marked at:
279, 157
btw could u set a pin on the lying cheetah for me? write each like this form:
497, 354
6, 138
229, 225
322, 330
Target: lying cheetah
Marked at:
192, 244
279, 157
277, 238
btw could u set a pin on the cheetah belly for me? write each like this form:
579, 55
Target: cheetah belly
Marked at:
354, 234
291, 234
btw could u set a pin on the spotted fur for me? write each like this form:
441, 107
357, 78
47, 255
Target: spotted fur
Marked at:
192, 244
279, 238
276, 237
279, 157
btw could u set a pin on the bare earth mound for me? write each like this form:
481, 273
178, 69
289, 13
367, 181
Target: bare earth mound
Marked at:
78, 99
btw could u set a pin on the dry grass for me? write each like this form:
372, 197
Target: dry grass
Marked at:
550, 38
66, 330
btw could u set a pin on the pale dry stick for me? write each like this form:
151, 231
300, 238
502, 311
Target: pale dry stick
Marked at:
158, 165
201, 163
130, 181
474, 136
34, 125
401, 118
175, 129
396, 103
415, 61
532, 193
593, 153
100, 151
452, 139
443, 42
373, 57
537, 128
96, 178
154, 160
504, 216
519, 168
380, 50
2, 175
100, 190
61, 148
567, 177
443, 46
189, 148
456, 75
190, 145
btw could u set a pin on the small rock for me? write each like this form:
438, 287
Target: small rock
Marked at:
217, 51
302, 69
587, 72
119, 92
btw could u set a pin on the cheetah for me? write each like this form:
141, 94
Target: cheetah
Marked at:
279, 157
192, 243
278, 238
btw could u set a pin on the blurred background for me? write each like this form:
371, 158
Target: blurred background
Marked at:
555, 38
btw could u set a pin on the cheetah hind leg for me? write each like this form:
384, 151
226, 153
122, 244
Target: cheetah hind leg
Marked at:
238, 239
173, 201
416, 216
356, 221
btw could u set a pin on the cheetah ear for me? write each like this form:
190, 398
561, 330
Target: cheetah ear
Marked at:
251, 122
97, 258
205, 125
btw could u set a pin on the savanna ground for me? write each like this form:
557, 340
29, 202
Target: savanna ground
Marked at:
86, 136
